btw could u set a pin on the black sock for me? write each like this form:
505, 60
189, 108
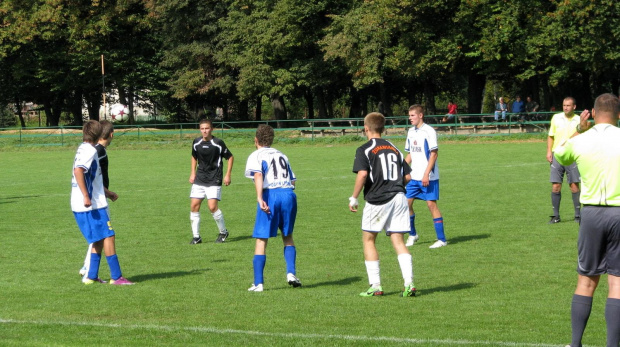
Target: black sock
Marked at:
555, 202
576, 204
579, 314
612, 318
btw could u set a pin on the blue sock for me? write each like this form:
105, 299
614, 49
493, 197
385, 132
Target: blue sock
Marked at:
115, 267
439, 229
412, 232
259, 266
93, 270
290, 254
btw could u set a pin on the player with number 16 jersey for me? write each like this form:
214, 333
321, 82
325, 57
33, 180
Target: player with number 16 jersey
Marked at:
386, 167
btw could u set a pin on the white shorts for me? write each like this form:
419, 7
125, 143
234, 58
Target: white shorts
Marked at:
202, 192
393, 216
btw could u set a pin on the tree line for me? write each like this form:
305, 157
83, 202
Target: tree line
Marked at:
310, 58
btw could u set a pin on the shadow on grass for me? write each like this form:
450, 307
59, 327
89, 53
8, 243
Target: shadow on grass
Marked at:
430, 291
11, 199
164, 275
467, 238
238, 238
340, 282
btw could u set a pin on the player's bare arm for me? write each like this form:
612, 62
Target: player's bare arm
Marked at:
549, 146
78, 172
228, 171
360, 179
431, 163
258, 183
192, 175
408, 158
110, 194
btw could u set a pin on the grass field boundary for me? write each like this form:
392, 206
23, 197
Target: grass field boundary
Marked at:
213, 330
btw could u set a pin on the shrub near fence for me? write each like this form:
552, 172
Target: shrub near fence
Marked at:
464, 124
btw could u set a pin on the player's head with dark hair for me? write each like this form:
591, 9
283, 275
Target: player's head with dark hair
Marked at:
607, 104
264, 135
417, 108
375, 122
91, 131
107, 128
206, 121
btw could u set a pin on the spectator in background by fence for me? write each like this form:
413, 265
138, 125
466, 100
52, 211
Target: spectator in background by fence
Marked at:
501, 108
452, 111
531, 107
518, 108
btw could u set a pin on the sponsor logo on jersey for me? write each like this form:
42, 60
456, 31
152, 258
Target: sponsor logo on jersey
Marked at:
380, 148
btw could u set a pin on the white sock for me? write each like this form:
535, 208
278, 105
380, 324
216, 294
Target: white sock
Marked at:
218, 216
406, 267
372, 268
87, 258
194, 217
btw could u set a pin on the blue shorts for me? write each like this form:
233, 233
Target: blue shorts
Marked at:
415, 190
283, 206
94, 225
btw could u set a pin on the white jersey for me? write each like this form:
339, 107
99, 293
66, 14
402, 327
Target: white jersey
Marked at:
273, 165
86, 157
420, 142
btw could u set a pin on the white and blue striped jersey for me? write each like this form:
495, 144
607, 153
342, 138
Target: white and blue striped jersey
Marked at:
86, 157
273, 165
420, 142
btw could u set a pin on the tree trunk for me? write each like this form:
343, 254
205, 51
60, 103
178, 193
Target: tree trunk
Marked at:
242, 109
355, 110
386, 99
259, 108
429, 96
94, 106
279, 109
320, 98
130, 102
20, 114
475, 91
76, 107
309, 103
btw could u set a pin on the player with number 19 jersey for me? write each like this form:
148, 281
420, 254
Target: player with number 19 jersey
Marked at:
386, 168
273, 165
278, 186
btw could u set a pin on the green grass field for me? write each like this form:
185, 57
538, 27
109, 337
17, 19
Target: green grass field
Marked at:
506, 278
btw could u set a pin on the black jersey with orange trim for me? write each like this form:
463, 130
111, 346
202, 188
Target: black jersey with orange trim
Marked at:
386, 167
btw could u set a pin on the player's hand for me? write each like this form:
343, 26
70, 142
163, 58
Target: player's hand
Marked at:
550, 157
264, 207
583, 119
425, 181
87, 202
192, 177
353, 203
112, 196
226, 180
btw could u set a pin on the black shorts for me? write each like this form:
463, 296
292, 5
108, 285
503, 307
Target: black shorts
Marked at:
598, 243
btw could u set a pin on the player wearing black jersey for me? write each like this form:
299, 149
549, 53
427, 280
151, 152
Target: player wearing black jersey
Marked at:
206, 174
382, 173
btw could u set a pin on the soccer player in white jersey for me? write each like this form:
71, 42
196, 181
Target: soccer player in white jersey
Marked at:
89, 206
206, 174
107, 135
382, 172
276, 208
422, 151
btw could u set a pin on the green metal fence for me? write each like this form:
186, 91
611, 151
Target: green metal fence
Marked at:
462, 124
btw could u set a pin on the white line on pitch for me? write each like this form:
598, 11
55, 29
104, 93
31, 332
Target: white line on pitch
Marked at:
284, 335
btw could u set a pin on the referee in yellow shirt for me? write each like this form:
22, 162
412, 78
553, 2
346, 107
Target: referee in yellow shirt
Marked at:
597, 154
561, 129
